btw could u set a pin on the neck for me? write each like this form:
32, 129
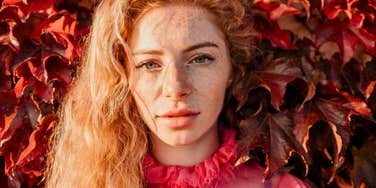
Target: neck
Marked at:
189, 154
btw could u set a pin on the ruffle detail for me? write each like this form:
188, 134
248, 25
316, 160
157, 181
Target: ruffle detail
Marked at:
216, 170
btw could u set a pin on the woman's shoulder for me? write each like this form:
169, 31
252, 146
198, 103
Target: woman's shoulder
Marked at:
250, 174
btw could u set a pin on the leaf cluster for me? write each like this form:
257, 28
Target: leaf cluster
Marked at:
307, 107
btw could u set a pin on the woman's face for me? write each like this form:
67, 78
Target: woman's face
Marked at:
180, 72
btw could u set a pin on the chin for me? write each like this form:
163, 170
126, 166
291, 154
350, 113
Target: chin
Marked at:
176, 140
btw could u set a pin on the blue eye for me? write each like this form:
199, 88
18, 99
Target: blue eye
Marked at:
201, 59
149, 65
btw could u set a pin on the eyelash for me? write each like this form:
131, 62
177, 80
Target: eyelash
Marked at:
151, 62
207, 57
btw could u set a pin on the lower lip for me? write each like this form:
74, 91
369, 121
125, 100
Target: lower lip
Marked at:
178, 121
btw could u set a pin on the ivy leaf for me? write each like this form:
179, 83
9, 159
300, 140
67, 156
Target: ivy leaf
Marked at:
368, 78
346, 37
272, 75
332, 8
323, 147
27, 81
371, 101
273, 133
275, 10
6, 57
364, 170
275, 78
304, 3
8, 103
335, 108
372, 3
32, 6
12, 122
62, 23
267, 26
31, 160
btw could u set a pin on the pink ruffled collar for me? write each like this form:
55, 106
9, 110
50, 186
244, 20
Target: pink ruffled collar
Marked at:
215, 170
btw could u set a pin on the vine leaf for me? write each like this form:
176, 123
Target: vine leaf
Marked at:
334, 107
275, 78
364, 170
346, 37
274, 133
332, 8
267, 26
32, 158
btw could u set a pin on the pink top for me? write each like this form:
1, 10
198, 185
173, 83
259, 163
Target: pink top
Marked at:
216, 171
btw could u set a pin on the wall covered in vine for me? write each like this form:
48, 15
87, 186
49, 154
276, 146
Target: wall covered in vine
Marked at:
310, 101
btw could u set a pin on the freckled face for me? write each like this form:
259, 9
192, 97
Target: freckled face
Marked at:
180, 72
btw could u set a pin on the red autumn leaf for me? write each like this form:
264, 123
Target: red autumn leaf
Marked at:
6, 56
13, 122
62, 23
31, 160
369, 89
335, 108
332, 8
267, 26
27, 81
14, 135
11, 152
372, 3
303, 121
36, 68
298, 92
31, 28
275, 10
346, 37
8, 103
357, 20
242, 89
275, 78
41, 6
32, 6
57, 69
301, 3
270, 30
364, 170
273, 133
368, 78
323, 147
9, 13
59, 44
371, 101
11, 2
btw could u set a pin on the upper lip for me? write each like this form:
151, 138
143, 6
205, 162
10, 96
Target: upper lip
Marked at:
177, 113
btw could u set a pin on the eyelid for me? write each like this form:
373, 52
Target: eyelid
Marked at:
143, 63
208, 56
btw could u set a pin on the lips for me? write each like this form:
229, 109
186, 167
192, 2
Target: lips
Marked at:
178, 119
178, 113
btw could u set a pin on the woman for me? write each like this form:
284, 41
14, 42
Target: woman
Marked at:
145, 108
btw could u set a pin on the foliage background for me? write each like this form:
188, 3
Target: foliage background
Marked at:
310, 100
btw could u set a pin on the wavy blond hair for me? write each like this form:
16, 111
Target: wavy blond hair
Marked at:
100, 140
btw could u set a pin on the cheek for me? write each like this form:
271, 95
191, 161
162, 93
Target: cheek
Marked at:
211, 85
143, 87
142, 95
214, 79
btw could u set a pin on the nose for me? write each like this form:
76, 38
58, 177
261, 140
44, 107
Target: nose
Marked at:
176, 82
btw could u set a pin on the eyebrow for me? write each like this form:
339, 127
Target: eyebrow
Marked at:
191, 48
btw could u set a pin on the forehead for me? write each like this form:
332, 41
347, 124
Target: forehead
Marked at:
178, 24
